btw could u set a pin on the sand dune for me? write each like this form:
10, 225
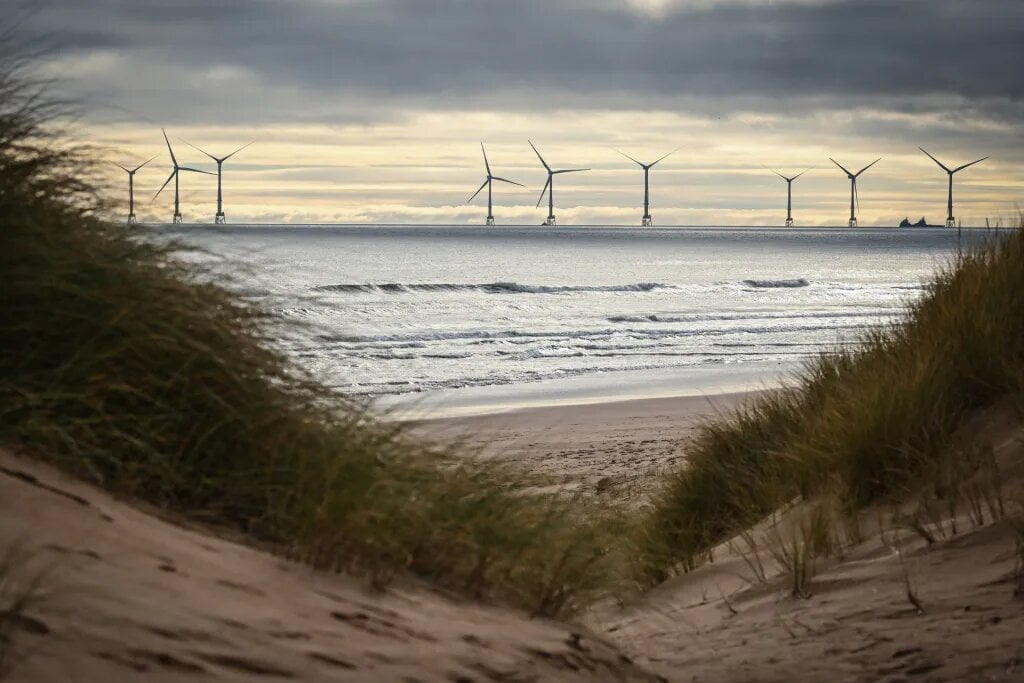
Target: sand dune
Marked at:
132, 597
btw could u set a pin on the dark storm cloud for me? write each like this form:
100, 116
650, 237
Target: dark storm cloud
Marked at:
537, 54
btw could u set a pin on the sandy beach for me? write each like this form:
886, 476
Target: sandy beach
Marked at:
617, 448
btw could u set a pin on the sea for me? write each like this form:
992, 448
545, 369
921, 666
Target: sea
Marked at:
459, 319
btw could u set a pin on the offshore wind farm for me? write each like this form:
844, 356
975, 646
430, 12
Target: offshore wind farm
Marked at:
547, 190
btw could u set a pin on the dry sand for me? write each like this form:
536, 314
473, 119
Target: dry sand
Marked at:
721, 624
618, 447
133, 597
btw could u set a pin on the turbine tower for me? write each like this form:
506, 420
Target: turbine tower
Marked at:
854, 197
131, 188
646, 220
950, 221
489, 183
219, 219
789, 194
174, 177
549, 186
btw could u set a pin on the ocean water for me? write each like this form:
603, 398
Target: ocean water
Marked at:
399, 310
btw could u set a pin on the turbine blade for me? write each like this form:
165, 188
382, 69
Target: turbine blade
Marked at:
774, 171
540, 157
173, 159
169, 179
544, 190
121, 167
487, 165
840, 166
199, 150
570, 170
960, 168
237, 151
195, 170
869, 165
935, 160
506, 180
663, 158
143, 163
856, 195
478, 191
799, 174
629, 157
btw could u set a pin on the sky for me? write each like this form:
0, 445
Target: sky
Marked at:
374, 110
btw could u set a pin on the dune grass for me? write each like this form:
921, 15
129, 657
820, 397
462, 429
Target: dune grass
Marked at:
127, 367
863, 424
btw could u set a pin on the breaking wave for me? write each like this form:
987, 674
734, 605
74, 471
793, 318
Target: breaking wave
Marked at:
488, 287
767, 284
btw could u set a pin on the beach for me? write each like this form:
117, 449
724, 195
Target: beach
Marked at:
616, 448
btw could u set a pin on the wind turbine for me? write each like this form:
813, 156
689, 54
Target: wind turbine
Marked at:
646, 220
219, 219
789, 194
131, 187
854, 197
489, 183
549, 186
174, 177
950, 221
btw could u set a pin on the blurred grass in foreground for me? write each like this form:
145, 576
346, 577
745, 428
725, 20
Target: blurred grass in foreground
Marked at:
129, 368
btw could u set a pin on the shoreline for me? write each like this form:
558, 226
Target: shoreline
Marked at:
624, 386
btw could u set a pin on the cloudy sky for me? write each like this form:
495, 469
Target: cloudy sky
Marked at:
373, 110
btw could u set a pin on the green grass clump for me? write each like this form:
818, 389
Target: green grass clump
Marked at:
864, 423
129, 368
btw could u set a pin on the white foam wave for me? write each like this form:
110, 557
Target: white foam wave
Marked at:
770, 284
488, 287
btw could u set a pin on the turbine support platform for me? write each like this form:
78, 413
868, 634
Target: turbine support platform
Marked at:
131, 219
951, 222
177, 218
789, 222
551, 220
852, 223
220, 219
490, 220
646, 222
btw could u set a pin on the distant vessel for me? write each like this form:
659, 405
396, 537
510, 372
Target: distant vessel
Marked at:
905, 223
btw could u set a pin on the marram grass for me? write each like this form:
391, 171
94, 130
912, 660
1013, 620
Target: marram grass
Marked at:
129, 368
863, 424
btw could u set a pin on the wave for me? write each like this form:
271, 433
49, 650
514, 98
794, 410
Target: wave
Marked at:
359, 342
781, 315
488, 287
768, 284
